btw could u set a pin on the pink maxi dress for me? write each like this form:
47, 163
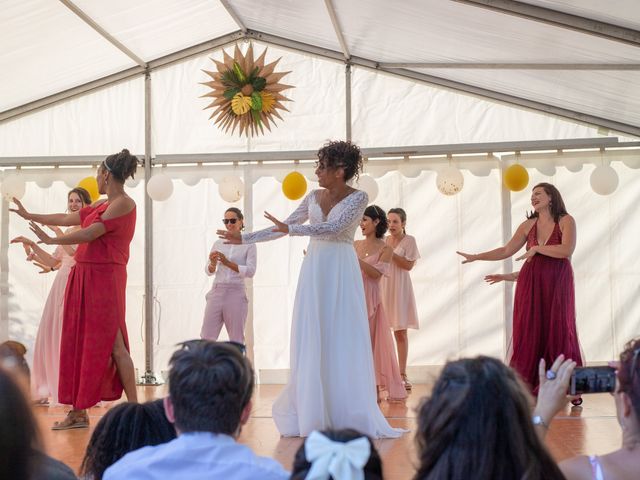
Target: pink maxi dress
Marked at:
46, 351
385, 360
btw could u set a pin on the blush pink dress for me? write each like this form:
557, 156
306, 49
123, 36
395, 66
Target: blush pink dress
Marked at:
397, 289
385, 360
46, 351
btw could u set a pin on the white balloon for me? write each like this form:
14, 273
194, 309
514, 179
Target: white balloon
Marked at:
479, 169
132, 182
192, 179
573, 164
632, 162
604, 180
369, 185
410, 170
44, 180
160, 187
231, 189
546, 167
449, 181
13, 186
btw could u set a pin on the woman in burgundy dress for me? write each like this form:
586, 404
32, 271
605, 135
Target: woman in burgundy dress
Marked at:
544, 316
95, 363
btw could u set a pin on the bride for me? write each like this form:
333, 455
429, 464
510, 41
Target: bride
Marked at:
332, 382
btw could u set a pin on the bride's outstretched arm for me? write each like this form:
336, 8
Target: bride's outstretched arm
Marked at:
300, 215
353, 209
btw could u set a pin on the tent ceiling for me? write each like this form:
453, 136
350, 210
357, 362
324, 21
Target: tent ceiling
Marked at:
46, 48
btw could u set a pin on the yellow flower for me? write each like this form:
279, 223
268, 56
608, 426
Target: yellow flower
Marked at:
240, 104
267, 101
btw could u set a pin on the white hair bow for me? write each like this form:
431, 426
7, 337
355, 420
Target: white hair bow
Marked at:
343, 461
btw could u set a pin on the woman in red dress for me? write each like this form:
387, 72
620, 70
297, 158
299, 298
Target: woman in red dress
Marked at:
95, 363
544, 316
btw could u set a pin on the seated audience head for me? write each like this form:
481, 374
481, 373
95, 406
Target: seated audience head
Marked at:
12, 355
18, 430
125, 428
340, 454
210, 387
477, 423
628, 388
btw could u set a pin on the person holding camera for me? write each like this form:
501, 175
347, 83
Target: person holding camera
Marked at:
621, 464
544, 312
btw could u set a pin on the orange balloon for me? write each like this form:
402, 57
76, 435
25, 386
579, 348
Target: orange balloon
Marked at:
516, 178
294, 186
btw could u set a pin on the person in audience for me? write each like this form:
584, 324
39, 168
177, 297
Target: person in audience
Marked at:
21, 457
397, 290
477, 424
125, 428
338, 455
210, 388
14, 354
46, 350
227, 302
621, 464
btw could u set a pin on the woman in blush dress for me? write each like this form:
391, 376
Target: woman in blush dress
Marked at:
374, 257
332, 382
227, 302
46, 350
397, 290
95, 363
544, 315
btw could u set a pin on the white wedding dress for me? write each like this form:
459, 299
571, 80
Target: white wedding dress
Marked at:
332, 382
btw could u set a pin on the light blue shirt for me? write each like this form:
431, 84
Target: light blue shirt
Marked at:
196, 456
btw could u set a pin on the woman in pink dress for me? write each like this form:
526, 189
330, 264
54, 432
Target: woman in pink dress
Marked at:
374, 258
95, 363
544, 316
46, 351
397, 290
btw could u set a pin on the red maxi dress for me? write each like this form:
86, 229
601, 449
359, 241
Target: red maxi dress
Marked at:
94, 310
544, 315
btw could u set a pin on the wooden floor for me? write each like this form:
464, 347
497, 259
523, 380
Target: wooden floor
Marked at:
590, 429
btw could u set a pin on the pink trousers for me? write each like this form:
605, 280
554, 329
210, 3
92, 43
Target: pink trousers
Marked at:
226, 304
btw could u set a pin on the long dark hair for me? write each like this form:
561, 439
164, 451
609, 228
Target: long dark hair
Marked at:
125, 428
18, 430
477, 423
556, 204
374, 212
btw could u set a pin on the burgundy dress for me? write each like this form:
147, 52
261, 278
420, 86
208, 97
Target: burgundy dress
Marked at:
544, 315
94, 311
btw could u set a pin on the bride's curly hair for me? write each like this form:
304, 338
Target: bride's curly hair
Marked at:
342, 154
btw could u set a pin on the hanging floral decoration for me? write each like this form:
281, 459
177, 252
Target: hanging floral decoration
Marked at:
246, 93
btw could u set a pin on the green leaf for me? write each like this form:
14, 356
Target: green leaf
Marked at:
256, 116
256, 102
242, 78
254, 74
229, 79
229, 93
259, 83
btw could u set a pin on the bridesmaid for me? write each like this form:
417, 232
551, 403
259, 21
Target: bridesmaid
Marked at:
398, 298
544, 315
227, 300
375, 257
46, 352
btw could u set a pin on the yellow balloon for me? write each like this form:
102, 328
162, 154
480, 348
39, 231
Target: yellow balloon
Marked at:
90, 184
516, 178
294, 186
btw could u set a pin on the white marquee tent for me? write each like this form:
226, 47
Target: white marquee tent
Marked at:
419, 84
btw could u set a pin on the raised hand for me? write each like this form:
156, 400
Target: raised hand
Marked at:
528, 254
40, 233
468, 257
230, 237
554, 384
27, 242
279, 226
43, 268
20, 210
495, 278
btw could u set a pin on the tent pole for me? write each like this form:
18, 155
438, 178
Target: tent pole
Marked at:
149, 377
507, 264
347, 106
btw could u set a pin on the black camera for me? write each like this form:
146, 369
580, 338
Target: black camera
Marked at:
592, 380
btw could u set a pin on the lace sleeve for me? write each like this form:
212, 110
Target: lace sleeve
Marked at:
352, 209
300, 215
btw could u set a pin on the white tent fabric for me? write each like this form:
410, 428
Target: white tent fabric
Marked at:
45, 48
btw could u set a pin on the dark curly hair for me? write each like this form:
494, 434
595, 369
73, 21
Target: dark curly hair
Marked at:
629, 373
125, 428
556, 204
478, 420
372, 469
121, 165
82, 193
374, 212
342, 154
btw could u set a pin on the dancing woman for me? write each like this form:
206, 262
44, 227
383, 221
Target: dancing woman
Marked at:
397, 290
95, 363
332, 382
374, 257
227, 302
544, 315
46, 351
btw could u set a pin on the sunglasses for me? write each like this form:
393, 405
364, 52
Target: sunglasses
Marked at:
232, 221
